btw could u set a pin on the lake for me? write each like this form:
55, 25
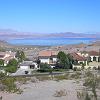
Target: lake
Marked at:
50, 41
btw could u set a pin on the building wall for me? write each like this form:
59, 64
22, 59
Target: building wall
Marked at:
54, 59
45, 61
81, 61
24, 67
94, 56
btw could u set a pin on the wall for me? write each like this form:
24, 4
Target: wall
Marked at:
45, 60
54, 59
24, 67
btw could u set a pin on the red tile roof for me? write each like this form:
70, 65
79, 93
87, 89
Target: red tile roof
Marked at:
93, 53
77, 57
47, 53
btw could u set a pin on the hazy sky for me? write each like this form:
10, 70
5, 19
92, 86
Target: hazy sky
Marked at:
50, 15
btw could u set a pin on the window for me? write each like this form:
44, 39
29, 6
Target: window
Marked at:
98, 59
94, 58
32, 66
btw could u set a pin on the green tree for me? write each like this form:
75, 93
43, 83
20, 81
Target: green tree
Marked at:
12, 66
13, 62
1, 62
11, 69
20, 56
63, 60
44, 68
17, 54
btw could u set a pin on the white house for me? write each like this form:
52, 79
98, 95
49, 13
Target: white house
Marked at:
49, 57
25, 65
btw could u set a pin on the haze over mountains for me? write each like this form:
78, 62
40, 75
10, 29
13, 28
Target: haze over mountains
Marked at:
12, 34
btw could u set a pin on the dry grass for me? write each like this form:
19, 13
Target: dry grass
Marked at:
61, 77
43, 78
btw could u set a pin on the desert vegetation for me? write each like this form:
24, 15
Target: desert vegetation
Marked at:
89, 82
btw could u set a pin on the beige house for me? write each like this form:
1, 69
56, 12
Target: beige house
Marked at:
6, 56
78, 58
94, 56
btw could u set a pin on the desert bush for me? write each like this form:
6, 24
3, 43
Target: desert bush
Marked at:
83, 95
61, 77
60, 93
22, 80
77, 75
34, 80
9, 85
92, 83
88, 74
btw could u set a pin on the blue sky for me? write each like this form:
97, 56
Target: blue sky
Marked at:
48, 16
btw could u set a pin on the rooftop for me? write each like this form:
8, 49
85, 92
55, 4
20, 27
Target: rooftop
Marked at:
93, 53
77, 57
47, 53
26, 63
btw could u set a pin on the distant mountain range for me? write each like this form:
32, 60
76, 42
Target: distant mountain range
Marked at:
12, 34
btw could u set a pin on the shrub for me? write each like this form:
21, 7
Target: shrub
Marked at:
10, 85
22, 80
77, 75
60, 93
11, 69
92, 83
44, 68
12, 62
88, 74
83, 95
2, 75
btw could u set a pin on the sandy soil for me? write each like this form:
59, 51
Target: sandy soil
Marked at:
45, 91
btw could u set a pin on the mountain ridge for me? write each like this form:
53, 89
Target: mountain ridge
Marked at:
12, 34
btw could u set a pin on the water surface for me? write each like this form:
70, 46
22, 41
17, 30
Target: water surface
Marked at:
49, 41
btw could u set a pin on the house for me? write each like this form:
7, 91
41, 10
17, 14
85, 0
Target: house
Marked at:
7, 56
84, 57
94, 56
28, 65
49, 57
78, 58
